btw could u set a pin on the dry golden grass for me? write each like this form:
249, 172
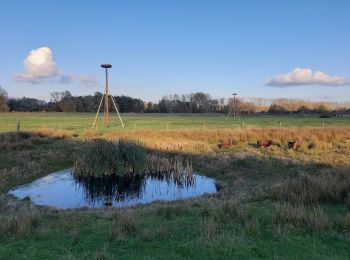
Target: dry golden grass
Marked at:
51, 132
307, 138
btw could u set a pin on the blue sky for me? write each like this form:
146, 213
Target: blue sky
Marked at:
163, 47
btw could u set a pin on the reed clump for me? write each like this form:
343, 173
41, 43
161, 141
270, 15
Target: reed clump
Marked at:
328, 186
100, 157
103, 158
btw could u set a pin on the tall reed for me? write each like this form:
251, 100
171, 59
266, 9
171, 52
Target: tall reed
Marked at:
105, 158
101, 157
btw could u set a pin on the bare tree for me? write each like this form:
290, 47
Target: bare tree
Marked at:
3, 99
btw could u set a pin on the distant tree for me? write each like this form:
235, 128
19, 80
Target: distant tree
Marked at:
63, 101
304, 110
3, 99
277, 109
323, 109
26, 104
151, 107
200, 102
128, 104
246, 107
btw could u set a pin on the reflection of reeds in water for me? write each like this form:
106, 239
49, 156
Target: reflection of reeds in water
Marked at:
104, 158
117, 171
107, 189
183, 180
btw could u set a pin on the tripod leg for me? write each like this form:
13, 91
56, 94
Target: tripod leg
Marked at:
229, 112
98, 111
115, 106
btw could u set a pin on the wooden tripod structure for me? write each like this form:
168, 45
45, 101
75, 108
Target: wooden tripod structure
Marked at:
234, 108
106, 97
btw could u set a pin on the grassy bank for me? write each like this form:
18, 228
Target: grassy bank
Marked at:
272, 203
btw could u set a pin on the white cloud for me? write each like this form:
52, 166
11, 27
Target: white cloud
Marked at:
41, 68
306, 76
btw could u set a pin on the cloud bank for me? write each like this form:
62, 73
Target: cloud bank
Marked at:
306, 76
40, 67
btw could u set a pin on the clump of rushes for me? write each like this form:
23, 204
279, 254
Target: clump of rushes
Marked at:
106, 158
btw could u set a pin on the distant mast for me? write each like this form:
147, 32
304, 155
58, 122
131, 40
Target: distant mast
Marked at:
234, 108
106, 67
106, 97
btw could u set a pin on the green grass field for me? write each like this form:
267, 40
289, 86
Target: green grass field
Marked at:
83, 121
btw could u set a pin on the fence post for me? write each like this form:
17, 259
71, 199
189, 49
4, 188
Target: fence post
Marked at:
18, 125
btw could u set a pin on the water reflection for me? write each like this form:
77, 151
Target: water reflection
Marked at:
63, 190
111, 188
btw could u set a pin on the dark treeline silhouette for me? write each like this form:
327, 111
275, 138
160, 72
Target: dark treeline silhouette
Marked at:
198, 102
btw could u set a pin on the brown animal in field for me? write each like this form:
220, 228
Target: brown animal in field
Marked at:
224, 145
292, 145
264, 143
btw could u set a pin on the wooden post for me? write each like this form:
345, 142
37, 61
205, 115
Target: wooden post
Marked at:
116, 109
98, 111
106, 101
18, 125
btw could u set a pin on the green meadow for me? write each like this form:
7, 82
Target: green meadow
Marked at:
83, 121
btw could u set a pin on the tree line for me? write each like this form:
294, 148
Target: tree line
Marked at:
198, 102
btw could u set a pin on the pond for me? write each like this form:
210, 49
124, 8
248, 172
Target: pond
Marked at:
63, 190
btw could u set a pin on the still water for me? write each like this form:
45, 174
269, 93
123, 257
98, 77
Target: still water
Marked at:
63, 190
